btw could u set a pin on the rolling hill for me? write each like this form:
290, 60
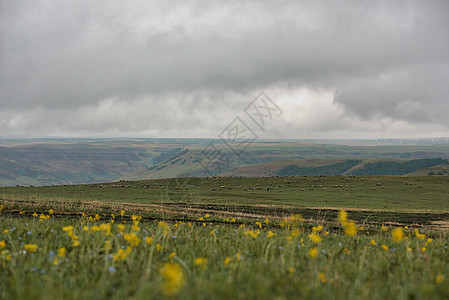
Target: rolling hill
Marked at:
75, 161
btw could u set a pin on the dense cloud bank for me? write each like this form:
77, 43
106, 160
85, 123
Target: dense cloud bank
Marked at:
338, 69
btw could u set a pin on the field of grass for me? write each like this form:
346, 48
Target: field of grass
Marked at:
372, 197
114, 257
228, 238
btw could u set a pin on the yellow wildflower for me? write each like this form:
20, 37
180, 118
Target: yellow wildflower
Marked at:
322, 277
106, 228
350, 228
95, 228
132, 239
172, 279
385, 247
159, 247
253, 233
317, 228
266, 221
423, 249
55, 261
61, 252
30, 247
291, 270
149, 240
269, 234
35, 214
2, 244
50, 211
439, 278
76, 243
384, 228
122, 213
373, 243
227, 260
44, 217
313, 252
86, 228
201, 262
68, 228
172, 255
238, 255
398, 234
419, 235
121, 254
121, 228
315, 238
342, 216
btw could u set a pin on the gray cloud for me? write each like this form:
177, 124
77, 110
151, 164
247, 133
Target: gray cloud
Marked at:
82, 60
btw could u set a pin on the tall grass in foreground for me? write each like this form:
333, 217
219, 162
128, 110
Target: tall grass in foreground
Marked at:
90, 258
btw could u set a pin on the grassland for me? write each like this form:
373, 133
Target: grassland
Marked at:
106, 258
374, 198
228, 238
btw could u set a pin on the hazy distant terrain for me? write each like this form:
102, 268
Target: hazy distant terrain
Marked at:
74, 161
48, 162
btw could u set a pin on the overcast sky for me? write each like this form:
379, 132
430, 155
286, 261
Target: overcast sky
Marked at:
337, 69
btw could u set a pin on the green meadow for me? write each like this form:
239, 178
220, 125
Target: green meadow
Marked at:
228, 238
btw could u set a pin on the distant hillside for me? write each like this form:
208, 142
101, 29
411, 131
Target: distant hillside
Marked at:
74, 161
331, 169
437, 170
397, 168
342, 167
268, 158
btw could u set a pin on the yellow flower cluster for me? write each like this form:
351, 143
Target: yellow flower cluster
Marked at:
315, 238
252, 233
136, 220
349, 226
31, 248
121, 254
419, 235
172, 279
398, 234
70, 234
132, 239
